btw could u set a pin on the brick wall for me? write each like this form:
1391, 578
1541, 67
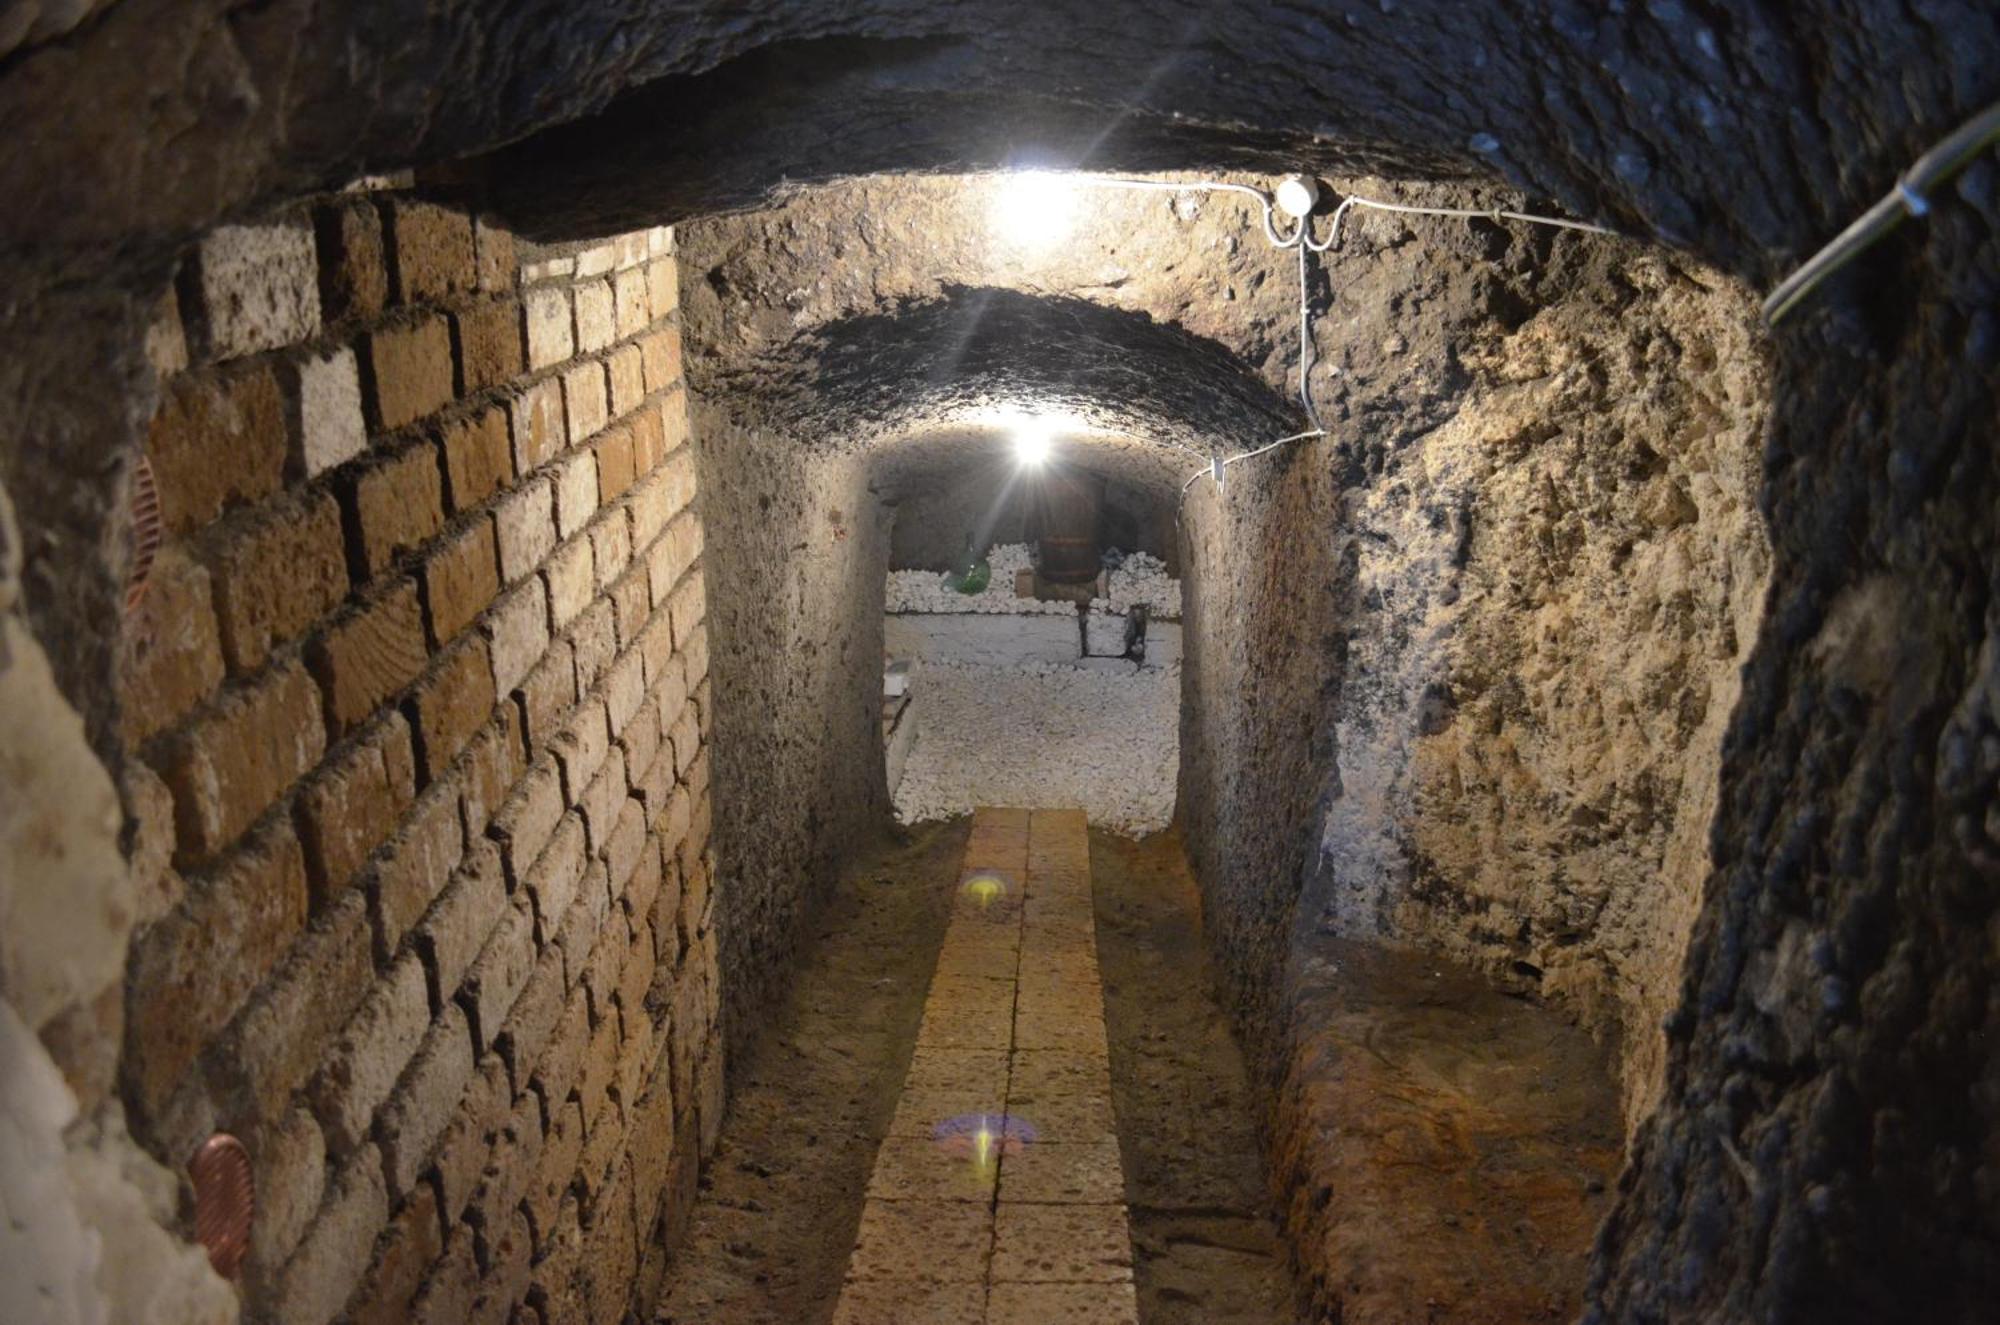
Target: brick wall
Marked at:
417, 697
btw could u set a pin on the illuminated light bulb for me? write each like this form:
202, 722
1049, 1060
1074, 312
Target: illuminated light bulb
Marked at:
1033, 440
1033, 209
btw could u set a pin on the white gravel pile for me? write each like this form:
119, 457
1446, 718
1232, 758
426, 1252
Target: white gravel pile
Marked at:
1140, 579
1045, 737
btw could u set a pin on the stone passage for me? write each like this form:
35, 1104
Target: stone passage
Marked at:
997, 1195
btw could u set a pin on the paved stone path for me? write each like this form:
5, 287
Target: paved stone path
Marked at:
997, 1196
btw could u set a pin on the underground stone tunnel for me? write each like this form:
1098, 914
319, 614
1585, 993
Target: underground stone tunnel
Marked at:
905, 661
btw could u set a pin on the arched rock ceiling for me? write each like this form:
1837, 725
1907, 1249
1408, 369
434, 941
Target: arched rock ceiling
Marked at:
1737, 128
1135, 398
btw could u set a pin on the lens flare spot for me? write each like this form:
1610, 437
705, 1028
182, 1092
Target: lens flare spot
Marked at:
984, 889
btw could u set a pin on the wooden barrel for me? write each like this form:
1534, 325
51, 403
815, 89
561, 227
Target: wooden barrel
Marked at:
1067, 506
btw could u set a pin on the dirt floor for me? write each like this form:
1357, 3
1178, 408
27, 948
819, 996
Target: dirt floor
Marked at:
778, 1210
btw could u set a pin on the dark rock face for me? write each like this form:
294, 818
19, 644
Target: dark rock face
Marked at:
1825, 1148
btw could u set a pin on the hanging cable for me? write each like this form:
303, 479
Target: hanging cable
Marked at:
1910, 197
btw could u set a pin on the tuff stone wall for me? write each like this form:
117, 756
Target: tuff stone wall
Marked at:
416, 695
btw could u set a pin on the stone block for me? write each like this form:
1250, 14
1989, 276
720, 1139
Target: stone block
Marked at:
466, 1148
610, 544
572, 580
661, 353
371, 1054
586, 406
596, 316
627, 376
632, 607
496, 760
649, 438
288, 1160
561, 1062
580, 748
595, 638
418, 863
525, 822
447, 1295
461, 576
412, 1244
524, 1033
501, 971
228, 766
551, 338
663, 284
576, 490
635, 302
497, 255
425, 1099
490, 348
397, 505
433, 251
561, 1148
369, 654
218, 440
409, 370
548, 694
354, 270
289, 1027
355, 802
457, 927
625, 689
478, 458
518, 633
556, 874
170, 658
510, 1256
326, 424
540, 429
527, 529
614, 464
276, 571
254, 288
199, 964
689, 606
336, 1252
452, 703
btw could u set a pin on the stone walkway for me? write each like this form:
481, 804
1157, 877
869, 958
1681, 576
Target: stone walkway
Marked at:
997, 1195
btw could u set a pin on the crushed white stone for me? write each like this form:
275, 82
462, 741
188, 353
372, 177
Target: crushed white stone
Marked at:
1141, 578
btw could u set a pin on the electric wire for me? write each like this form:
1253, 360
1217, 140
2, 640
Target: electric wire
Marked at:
1910, 197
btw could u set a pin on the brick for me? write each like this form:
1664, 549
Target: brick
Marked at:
596, 316
478, 458
603, 1147
558, 1273
276, 571
679, 475
694, 656
597, 260
540, 429
641, 738
461, 576
433, 255
457, 927
525, 1032
553, 879
595, 639
417, 865
561, 1148
625, 690
571, 579
370, 654
548, 694
555, 1076
202, 961
689, 605
526, 522
354, 270
641, 890
663, 283
490, 350
170, 658
447, 1295
576, 492
326, 422
524, 823
550, 337
497, 255
601, 799
289, 1160
632, 605
425, 1099
414, 1241
452, 703
371, 1053
687, 740
409, 371
584, 924
581, 747
627, 376
329, 1264
614, 464
500, 972
652, 1128
355, 803
600, 1062
511, 1258
253, 288
624, 843
660, 352
673, 408
231, 764
287, 1030
635, 302
495, 761
649, 439
674, 555
217, 441
478, 1118
518, 633
610, 546
585, 406
397, 505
